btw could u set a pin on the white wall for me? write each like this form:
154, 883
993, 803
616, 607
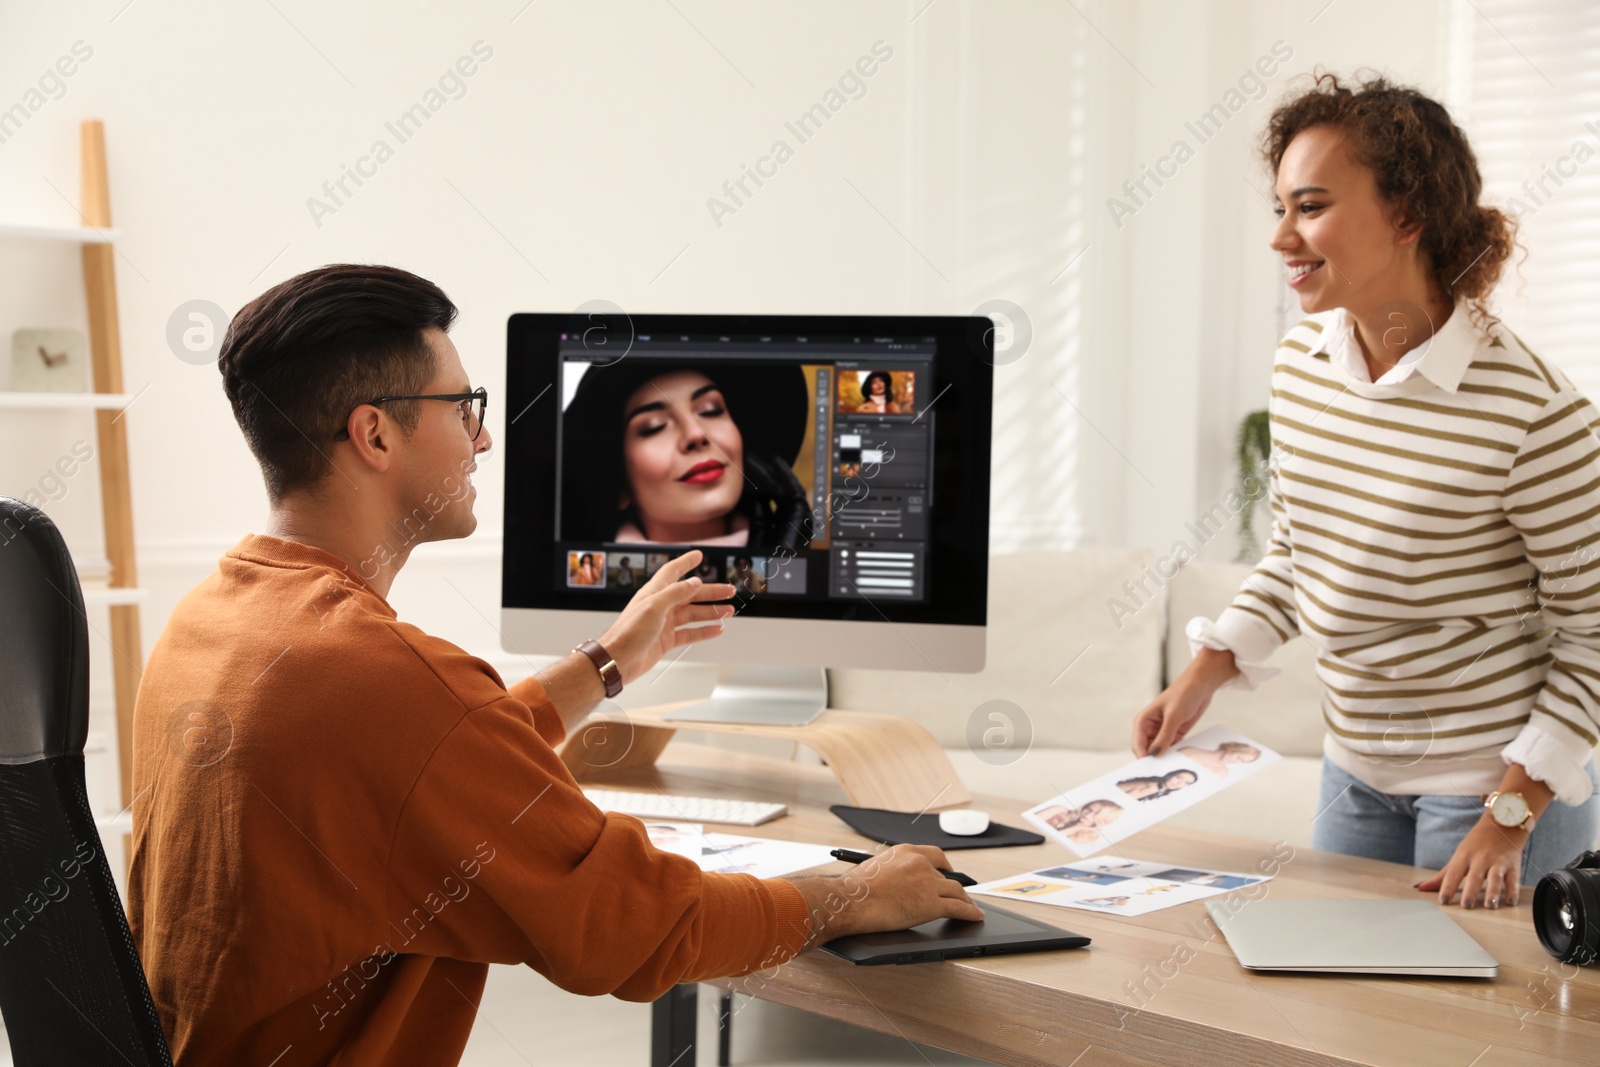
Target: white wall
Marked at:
1202, 295
578, 165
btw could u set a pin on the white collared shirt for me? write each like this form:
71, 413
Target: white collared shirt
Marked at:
1442, 359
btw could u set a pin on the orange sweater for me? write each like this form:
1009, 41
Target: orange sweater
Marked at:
340, 821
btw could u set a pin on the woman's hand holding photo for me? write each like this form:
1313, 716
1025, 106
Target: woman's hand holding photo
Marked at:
1170, 716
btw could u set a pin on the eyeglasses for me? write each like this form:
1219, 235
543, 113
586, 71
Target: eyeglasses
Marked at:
472, 404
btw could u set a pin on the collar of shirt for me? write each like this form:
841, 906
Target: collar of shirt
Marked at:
1443, 359
297, 555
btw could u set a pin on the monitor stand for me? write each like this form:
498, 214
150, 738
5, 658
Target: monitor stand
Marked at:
881, 761
761, 696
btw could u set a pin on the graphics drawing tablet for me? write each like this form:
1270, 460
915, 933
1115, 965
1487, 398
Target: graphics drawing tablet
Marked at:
1001, 933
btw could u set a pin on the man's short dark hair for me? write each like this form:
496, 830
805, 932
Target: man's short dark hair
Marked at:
301, 356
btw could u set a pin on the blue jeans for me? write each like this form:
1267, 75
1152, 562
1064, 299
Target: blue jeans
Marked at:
1357, 820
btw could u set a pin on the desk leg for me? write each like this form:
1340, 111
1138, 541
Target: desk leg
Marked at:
725, 1029
672, 1027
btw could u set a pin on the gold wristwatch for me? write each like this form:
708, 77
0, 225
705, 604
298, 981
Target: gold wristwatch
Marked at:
1510, 810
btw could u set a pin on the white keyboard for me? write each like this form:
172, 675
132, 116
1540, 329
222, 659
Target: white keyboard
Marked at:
685, 809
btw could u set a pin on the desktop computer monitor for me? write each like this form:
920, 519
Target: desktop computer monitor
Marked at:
835, 469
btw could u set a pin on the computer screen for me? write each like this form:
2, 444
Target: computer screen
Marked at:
835, 470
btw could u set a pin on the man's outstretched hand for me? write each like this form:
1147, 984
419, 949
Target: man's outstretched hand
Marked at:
654, 621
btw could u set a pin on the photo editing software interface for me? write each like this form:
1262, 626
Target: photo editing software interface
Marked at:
802, 466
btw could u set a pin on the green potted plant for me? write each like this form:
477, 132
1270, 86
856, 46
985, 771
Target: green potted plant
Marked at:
1254, 448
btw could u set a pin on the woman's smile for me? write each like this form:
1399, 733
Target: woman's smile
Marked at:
1301, 269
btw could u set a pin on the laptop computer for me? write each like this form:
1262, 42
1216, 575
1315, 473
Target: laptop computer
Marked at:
1405, 937
1001, 933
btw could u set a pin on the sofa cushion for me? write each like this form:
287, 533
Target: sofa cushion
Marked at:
1063, 670
1285, 713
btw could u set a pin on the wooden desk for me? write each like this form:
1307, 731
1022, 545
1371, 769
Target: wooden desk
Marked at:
1161, 989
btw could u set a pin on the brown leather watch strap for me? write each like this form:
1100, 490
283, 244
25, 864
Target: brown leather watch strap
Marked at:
610, 673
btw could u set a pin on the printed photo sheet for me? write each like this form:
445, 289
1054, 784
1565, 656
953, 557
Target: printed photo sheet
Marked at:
735, 853
1113, 885
1118, 805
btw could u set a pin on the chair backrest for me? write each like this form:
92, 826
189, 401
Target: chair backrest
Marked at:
71, 986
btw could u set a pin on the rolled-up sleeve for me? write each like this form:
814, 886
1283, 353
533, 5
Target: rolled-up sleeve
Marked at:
1552, 497
546, 719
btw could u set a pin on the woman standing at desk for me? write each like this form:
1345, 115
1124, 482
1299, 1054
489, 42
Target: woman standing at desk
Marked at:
1435, 491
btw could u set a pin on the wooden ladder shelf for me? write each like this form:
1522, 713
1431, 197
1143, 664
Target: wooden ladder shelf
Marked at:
116, 496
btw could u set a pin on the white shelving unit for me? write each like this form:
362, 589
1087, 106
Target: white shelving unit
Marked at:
64, 401
84, 235
121, 595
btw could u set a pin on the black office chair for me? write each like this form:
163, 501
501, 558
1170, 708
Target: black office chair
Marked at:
71, 986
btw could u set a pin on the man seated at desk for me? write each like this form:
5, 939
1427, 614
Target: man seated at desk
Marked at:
340, 820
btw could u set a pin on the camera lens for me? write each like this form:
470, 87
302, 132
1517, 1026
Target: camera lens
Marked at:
1566, 908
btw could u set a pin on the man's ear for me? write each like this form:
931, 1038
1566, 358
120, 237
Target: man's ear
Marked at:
372, 437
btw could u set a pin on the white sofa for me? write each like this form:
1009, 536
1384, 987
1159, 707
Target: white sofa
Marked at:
1072, 673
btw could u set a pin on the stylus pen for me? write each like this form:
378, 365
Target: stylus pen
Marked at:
851, 856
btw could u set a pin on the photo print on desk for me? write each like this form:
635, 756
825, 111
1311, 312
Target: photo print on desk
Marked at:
719, 853
1118, 805
1116, 886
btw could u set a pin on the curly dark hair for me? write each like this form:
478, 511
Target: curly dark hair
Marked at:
888, 385
1423, 166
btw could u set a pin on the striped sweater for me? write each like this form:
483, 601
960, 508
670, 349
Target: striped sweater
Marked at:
1437, 539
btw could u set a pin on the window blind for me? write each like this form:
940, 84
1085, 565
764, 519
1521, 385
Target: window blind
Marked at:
1526, 77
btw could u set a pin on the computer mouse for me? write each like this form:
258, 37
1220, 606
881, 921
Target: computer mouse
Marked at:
963, 823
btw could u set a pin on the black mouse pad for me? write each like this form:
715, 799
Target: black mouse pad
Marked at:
912, 828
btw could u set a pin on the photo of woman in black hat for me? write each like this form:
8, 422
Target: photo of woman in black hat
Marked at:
662, 453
